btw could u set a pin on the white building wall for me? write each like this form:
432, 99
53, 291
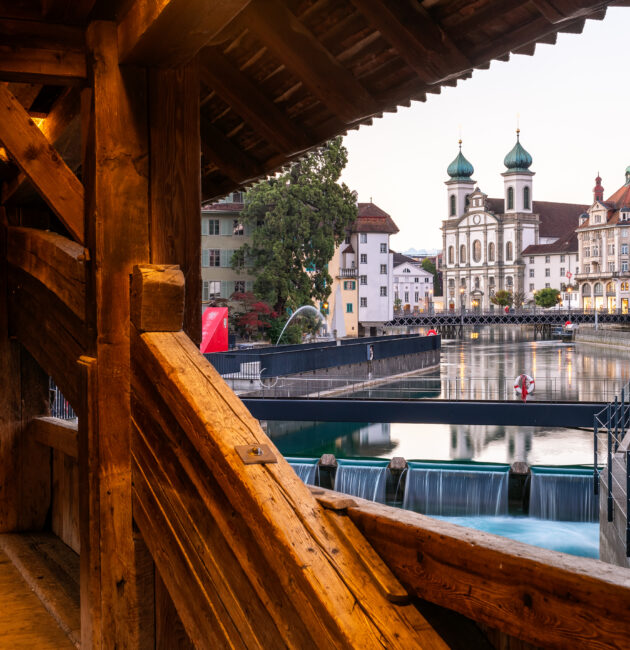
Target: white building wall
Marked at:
372, 253
549, 271
413, 285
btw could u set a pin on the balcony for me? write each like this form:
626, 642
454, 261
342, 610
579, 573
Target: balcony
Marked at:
347, 273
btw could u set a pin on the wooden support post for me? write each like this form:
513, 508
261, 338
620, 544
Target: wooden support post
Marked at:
24, 463
176, 181
117, 190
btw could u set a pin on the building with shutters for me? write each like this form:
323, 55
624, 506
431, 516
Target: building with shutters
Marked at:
412, 285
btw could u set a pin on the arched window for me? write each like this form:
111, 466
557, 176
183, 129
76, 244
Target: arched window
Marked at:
624, 286
526, 197
451, 282
451, 254
467, 201
597, 289
610, 288
476, 282
491, 252
509, 251
586, 289
462, 254
477, 250
510, 198
453, 208
508, 281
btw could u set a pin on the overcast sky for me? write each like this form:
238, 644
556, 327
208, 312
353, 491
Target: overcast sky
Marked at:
573, 99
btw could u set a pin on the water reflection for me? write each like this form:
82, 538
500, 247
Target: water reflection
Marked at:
577, 373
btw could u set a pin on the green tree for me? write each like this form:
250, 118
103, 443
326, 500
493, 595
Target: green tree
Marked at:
502, 298
429, 266
547, 297
300, 217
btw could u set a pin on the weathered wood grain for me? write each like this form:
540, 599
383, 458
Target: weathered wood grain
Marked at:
65, 500
169, 629
56, 433
168, 33
540, 596
36, 157
157, 297
57, 262
175, 225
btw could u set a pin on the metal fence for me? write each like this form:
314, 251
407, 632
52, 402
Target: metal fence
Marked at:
59, 405
610, 427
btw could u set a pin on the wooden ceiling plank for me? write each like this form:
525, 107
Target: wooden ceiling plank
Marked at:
72, 11
306, 57
231, 160
36, 157
418, 39
56, 67
246, 99
555, 11
61, 128
168, 33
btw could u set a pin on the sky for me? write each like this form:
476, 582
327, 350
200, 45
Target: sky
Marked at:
571, 101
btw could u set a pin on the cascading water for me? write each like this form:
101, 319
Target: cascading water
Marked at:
306, 471
362, 480
456, 490
563, 495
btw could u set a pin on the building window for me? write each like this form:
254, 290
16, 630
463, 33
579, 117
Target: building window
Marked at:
624, 286
453, 209
598, 218
531, 287
406, 270
451, 282
624, 266
509, 251
416, 297
363, 258
531, 273
348, 308
491, 252
547, 273
547, 285
462, 254
406, 296
586, 290
209, 226
561, 259
349, 285
526, 198
562, 271
624, 232
383, 248
611, 267
451, 254
508, 280
547, 259
383, 269
210, 290
476, 282
477, 250
363, 279
416, 279
595, 251
347, 240
363, 302
491, 282
531, 260
624, 249
598, 289
510, 198
587, 268
383, 291
363, 237
237, 228
611, 249
210, 257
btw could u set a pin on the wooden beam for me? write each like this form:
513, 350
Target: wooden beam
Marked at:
58, 263
169, 33
543, 597
157, 298
36, 157
116, 172
300, 51
62, 128
246, 99
67, 12
555, 11
56, 433
232, 161
421, 42
176, 181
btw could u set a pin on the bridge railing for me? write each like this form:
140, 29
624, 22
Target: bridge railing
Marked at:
611, 433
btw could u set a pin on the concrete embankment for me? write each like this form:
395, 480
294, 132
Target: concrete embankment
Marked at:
617, 339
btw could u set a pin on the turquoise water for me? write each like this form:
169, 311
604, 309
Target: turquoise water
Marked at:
575, 538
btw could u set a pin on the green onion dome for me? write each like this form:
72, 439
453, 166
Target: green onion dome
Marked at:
460, 169
518, 160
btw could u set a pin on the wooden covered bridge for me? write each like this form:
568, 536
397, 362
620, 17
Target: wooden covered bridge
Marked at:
168, 518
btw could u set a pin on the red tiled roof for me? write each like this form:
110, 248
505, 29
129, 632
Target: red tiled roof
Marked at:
222, 207
556, 219
348, 249
371, 218
568, 244
621, 197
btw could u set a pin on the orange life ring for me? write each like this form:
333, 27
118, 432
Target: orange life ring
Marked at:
524, 385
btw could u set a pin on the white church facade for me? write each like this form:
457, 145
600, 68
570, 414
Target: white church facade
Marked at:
489, 244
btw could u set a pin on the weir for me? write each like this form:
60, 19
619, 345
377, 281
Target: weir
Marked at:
365, 479
563, 494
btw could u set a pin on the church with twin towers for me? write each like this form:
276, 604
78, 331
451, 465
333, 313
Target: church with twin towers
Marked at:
513, 243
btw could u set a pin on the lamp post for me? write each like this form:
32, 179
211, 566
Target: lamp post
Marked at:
430, 301
461, 299
569, 291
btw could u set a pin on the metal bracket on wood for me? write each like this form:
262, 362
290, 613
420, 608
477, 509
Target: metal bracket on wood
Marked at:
255, 454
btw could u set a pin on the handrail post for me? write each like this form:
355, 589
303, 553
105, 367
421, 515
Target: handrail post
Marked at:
595, 472
609, 472
627, 503
616, 423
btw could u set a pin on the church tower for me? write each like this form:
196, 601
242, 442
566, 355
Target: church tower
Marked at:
459, 186
518, 179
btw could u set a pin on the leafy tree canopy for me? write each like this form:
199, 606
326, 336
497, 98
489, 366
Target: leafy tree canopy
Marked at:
502, 298
251, 316
300, 217
429, 266
547, 297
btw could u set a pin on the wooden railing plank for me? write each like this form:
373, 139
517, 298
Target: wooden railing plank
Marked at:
540, 596
56, 433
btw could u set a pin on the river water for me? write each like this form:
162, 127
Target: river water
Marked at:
483, 365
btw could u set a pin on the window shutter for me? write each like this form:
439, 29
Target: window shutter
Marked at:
205, 226
225, 226
205, 257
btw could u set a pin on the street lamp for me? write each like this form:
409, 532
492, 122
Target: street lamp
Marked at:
569, 291
461, 299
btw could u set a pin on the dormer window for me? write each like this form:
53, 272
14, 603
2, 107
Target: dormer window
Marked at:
598, 218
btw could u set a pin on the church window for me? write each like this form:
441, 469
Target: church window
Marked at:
451, 254
508, 281
491, 281
477, 250
509, 251
453, 208
476, 282
510, 198
526, 198
451, 282
491, 252
467, 201
462, 254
